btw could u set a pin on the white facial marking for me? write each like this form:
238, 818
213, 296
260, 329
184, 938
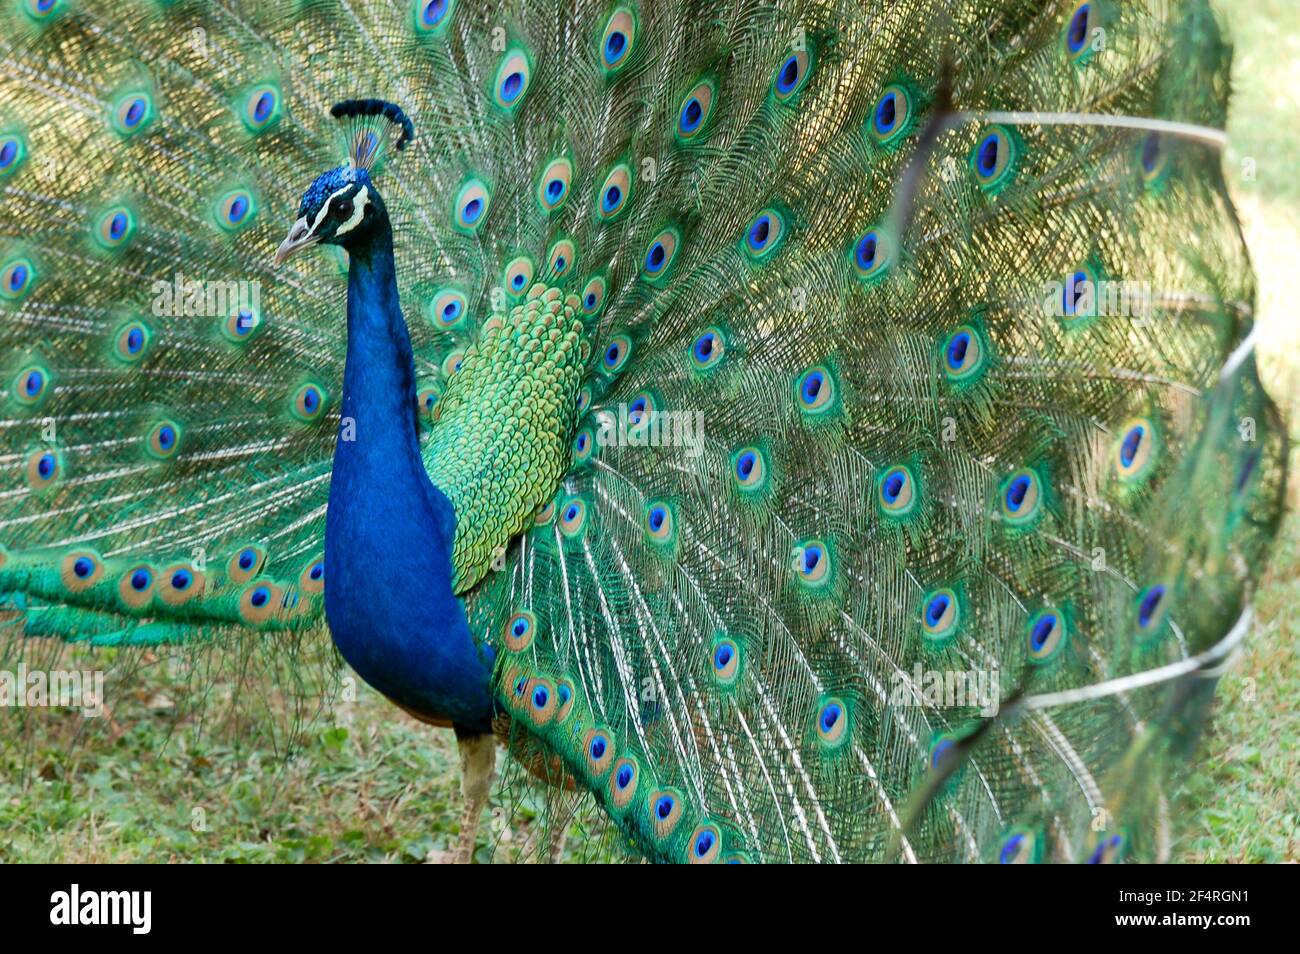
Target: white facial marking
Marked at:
325, 207
359, 203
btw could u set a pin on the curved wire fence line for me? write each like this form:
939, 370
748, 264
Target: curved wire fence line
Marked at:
1205, 663
1205, 134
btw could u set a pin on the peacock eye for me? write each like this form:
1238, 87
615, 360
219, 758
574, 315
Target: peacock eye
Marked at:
342, 209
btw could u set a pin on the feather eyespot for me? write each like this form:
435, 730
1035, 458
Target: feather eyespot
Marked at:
812, 563
598, 751
17, 279
245, 563
43, 10
832, 722
471, 206
995, 158
565, 697
616, 354
1045, 635
447, 309
553, 187
1078, 36
727, 660
235, 209
1153, 159
659, 255
13, 150
891, 117
561, 257
309, 402
963, 355
897, 491
940, 614
114, 227
872, 255
1079, 296
618, 40
1152, 607
131, 341
241, 324
163, 439
135, 587
545, 514
80, 570
518, 275
261, 109
44, 468
1135, 452
573, 516
942, 751
695, 110
584, 446
31, 385
705, 845
179, 584
660, 523
792, 75
542, 701
512, 79
260, 601
519, 630
666, 807
749, 469
615, 192
431, 16
426, 399
623, 783
708, 349
1021, 846
815, 391
132, 113
593, 296
1021, 497
312, 577
764, 235
1245, 471
1107, 849
452, 362
641, 410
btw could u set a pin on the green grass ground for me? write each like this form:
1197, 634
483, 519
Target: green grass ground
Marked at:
373, 785
1245, 800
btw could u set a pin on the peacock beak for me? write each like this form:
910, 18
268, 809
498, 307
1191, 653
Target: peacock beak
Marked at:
300, 236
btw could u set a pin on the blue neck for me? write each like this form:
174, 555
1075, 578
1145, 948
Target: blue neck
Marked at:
389, 531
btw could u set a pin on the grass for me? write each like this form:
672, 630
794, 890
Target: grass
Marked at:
365, 783
370, 784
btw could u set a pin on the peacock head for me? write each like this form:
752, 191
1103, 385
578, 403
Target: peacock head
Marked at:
341, 206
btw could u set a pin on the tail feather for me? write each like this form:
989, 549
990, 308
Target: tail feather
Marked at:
918, 347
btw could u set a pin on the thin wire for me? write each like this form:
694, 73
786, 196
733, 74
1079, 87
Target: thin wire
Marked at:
1205, 134
1206, 663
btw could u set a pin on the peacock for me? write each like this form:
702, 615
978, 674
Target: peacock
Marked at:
814, 430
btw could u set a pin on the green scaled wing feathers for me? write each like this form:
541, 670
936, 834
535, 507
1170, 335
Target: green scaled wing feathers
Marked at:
896, 534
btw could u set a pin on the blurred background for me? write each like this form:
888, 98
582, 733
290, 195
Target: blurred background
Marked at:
1243, 803
369, 783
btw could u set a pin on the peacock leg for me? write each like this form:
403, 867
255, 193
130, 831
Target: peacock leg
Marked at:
478, 759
